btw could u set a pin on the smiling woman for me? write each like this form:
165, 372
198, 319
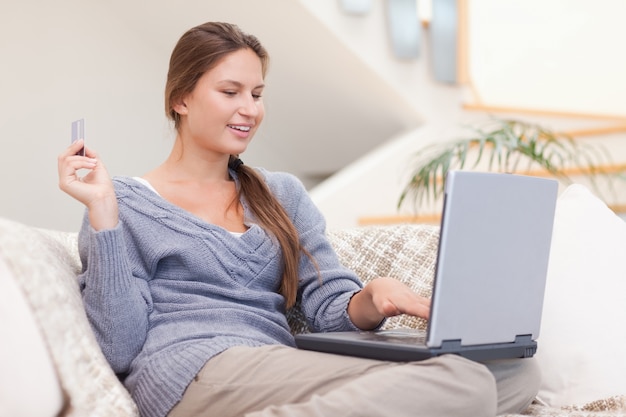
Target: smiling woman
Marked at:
189, 270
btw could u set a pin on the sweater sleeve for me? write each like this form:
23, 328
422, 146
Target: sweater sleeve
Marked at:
324, 295
117, 304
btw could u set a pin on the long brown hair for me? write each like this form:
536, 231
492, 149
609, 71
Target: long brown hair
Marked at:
199, 50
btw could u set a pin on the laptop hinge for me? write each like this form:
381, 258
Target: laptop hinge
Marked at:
457, 343
523, 338
523, 347
451, 344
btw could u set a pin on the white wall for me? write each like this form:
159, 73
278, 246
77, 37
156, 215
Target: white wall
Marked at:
561, 56
53, 58
557, 55
368, 37
371, 186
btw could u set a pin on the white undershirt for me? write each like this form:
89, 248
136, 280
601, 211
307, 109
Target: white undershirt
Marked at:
147, 184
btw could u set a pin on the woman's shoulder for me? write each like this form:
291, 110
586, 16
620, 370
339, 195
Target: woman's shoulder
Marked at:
287, 188
133, 191
121, 182
281, 181
124, 184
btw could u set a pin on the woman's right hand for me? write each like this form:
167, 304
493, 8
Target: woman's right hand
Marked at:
94, 189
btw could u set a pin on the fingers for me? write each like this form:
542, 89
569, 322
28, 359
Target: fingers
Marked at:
90, 153
72, 151
74, 163
418, 306
73, 148
411, 304
396, 298
69, 164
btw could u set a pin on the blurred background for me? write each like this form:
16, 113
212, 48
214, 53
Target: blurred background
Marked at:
355, 89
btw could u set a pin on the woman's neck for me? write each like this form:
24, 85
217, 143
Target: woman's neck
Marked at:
181, 166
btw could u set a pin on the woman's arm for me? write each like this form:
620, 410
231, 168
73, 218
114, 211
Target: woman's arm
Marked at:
117, 304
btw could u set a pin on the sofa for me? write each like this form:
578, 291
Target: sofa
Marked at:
52, 366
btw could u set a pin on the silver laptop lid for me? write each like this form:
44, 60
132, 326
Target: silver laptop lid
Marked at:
493, 256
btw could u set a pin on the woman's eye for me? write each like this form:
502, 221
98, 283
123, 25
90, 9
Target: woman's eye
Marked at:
256, 96
230, 93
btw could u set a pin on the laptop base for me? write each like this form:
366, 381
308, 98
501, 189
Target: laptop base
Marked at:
395, 347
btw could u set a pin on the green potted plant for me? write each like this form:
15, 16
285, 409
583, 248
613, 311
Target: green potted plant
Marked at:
502, 145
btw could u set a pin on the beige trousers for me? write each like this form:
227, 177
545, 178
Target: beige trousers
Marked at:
278, 381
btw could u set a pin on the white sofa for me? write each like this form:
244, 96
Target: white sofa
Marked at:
51, 364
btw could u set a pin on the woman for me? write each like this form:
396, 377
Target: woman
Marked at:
188, 272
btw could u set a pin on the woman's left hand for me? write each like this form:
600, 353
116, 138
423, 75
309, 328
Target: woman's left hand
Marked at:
385, 297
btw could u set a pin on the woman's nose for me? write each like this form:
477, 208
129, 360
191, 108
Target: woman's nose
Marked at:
249, 106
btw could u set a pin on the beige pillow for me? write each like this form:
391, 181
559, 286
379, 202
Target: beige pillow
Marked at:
45, 266
27, 370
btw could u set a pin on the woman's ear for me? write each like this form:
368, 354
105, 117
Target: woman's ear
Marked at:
180, 107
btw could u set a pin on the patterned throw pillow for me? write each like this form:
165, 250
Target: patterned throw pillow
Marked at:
406, 252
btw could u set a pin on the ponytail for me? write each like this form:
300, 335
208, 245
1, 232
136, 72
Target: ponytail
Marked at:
272, 217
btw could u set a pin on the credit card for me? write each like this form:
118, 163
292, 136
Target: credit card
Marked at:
78, 132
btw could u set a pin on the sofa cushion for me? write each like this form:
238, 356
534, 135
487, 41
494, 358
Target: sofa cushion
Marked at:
581, 345
45, 266
27, 369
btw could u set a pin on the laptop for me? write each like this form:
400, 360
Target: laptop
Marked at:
490, 275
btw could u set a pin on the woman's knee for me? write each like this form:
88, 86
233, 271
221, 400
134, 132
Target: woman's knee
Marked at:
461, 387
530, 376
518, 382
480, 390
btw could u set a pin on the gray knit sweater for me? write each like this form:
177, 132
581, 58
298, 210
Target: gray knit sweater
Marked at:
165, 291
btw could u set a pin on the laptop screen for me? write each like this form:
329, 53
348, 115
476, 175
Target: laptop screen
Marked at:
495, 237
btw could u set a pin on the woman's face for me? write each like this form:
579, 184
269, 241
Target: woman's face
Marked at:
225, 109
